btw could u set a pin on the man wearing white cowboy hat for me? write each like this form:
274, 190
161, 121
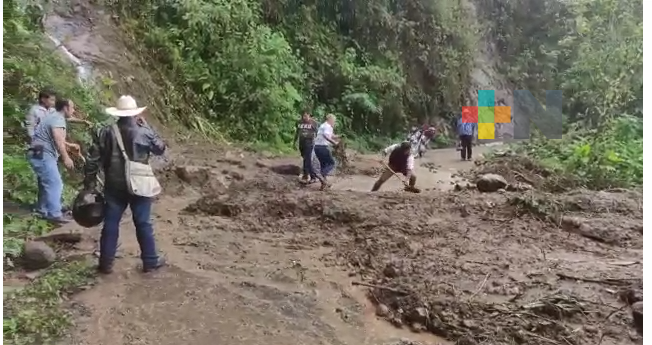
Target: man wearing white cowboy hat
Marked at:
136, 141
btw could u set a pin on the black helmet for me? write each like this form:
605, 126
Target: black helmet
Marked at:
88, 208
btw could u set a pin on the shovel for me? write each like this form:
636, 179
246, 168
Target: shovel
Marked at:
408, 188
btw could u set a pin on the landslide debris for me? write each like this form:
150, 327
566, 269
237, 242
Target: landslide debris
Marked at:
475, 268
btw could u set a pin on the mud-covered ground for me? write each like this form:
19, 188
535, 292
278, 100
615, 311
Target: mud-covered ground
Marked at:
254, 257
464, 265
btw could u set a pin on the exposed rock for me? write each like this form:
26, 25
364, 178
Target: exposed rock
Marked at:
419, 315
463, 185
287, 169
391, 271
193, 174
489, 183
382, 310
38, 255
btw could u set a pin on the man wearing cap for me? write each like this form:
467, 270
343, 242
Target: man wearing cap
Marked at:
140, 142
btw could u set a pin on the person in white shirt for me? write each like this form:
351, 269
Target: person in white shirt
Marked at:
401, 160
323, 149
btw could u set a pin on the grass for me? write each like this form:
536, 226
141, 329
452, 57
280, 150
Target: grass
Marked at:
35, 313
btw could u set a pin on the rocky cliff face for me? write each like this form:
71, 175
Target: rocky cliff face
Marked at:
486, 74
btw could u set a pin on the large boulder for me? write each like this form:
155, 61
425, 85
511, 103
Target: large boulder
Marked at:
38, 255
489, 183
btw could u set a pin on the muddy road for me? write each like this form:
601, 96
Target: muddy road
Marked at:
257, 259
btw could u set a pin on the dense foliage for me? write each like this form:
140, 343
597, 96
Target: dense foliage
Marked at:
592, 50
251, 67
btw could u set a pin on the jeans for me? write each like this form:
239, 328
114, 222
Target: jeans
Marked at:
50, 185
325, 157
306, 154
141, 209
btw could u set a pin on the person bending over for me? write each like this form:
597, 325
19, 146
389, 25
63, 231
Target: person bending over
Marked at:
401, 160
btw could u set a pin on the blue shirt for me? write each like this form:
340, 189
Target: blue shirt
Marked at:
466, 128
43, 133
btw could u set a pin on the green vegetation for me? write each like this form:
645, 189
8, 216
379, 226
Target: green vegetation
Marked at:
592, 50
33, 315
30, 65
248, 67
606, 157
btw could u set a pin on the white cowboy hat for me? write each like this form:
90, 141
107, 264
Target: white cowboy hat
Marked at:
125, 107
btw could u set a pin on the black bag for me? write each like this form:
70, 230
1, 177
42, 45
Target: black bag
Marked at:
88, 208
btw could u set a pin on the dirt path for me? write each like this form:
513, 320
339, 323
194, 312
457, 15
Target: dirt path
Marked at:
231, 285
255, 259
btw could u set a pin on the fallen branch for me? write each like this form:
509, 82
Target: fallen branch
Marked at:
386, 288
484, 282
608, 281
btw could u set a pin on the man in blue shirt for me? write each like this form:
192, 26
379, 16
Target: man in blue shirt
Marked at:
467, 133
48, 144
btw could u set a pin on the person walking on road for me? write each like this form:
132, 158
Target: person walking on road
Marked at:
48, 143
305, 134
401, 160
134, 138
467, 133
323, 149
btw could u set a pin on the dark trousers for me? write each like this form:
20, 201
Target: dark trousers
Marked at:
141, 210
386, 175
306, 154
326, 160
467, 146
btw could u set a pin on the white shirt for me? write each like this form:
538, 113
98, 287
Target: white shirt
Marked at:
325, 131
410, 160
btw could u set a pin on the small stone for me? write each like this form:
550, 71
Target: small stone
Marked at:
489, 183
396, 321
419, 315
417, 327
382, 310
390, 271
38, 255
469, 324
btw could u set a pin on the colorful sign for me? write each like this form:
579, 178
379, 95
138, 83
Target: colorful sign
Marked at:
526, 108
